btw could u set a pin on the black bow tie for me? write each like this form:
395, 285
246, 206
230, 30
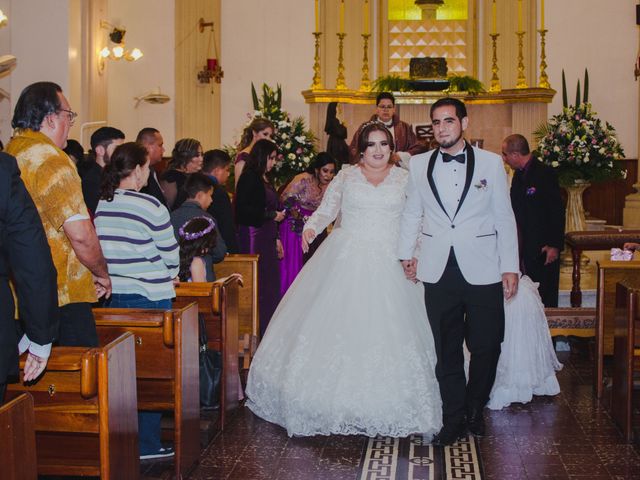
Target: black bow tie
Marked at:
460, 158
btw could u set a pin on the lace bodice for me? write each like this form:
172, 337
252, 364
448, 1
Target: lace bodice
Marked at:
370, 213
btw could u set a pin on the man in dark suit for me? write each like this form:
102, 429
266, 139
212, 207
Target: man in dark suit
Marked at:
539, 211
215, 165
25, 255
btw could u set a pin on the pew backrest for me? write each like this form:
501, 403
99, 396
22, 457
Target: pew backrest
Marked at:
17, 441
166, 344
85, 411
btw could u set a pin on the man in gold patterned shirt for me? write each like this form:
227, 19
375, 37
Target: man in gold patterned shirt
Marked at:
42, 119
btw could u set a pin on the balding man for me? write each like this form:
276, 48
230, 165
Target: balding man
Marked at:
539, 211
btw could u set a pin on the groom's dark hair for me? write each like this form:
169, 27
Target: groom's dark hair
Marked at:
461, 110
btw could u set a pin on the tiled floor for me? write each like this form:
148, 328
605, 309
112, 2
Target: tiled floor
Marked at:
565, 437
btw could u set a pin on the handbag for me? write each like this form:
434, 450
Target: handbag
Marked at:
210, 371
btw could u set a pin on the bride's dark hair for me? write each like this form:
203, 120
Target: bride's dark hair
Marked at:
369, 127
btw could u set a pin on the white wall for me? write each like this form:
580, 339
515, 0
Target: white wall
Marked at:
150, 27
29, 35
602, 37
264, 41
5, 82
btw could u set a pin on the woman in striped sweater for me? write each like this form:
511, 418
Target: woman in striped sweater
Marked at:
141, 251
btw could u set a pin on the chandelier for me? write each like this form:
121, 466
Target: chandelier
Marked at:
118, 51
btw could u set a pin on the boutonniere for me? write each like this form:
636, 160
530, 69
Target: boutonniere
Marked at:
531, 191
482, 185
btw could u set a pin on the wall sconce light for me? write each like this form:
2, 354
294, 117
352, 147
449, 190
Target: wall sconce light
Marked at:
118, 51
212, 69
3, 19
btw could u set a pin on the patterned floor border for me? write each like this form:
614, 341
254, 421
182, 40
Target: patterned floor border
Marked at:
413, 458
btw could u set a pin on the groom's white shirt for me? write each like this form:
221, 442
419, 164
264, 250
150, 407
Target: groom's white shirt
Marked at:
482, 231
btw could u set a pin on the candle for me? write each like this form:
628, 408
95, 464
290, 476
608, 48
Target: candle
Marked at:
493, 18
542, 15
341, 16
317, 16
520, 15
365, 28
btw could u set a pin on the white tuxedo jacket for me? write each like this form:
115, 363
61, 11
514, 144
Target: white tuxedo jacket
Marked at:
482, 231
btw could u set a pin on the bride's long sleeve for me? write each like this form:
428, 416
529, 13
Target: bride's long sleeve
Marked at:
330, 205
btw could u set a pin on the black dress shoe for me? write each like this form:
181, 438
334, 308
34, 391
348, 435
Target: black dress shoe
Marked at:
475, 422
449, 434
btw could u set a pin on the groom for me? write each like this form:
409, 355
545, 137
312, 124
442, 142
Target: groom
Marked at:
458, 204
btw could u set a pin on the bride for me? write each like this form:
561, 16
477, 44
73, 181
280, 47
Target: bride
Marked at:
349, 349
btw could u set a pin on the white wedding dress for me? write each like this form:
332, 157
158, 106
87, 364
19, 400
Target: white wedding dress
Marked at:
349, 349
528, 362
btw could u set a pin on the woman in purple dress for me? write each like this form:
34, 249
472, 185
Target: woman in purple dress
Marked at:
300, 199
257, 216
258, 129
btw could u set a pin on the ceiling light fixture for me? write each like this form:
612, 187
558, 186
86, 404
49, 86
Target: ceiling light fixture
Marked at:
118, 51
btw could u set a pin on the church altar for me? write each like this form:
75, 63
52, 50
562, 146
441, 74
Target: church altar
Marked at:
492, 116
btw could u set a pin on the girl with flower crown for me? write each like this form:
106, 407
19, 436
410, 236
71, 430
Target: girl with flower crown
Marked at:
196, 237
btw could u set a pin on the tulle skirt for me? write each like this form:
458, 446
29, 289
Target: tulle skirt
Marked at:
528, 362
349, 349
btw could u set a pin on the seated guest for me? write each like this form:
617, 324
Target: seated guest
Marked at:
257, 216
199, 190
404, 138
151, 139
216, 167
301, 198
74, 150
142, 254
186, 158
103, 142
258, 129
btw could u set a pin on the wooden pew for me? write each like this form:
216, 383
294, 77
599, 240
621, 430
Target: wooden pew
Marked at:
609, 274
18, 441
582, 241
166, 344
85, 411
247, 266
626, 355
218, 305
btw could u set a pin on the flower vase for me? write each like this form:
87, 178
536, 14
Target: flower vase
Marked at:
575, 219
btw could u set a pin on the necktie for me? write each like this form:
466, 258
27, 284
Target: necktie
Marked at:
460, 158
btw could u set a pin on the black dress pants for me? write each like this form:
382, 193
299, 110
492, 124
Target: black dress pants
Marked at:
459, 311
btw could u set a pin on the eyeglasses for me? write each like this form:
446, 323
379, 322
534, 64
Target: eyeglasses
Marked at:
386, 107
71, 114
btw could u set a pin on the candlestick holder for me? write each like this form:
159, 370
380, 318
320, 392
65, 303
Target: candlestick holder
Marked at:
365, 83
522, 80
544, 79
495, 81
340, 82
317, 78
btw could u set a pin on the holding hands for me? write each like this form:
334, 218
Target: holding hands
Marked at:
410, 268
